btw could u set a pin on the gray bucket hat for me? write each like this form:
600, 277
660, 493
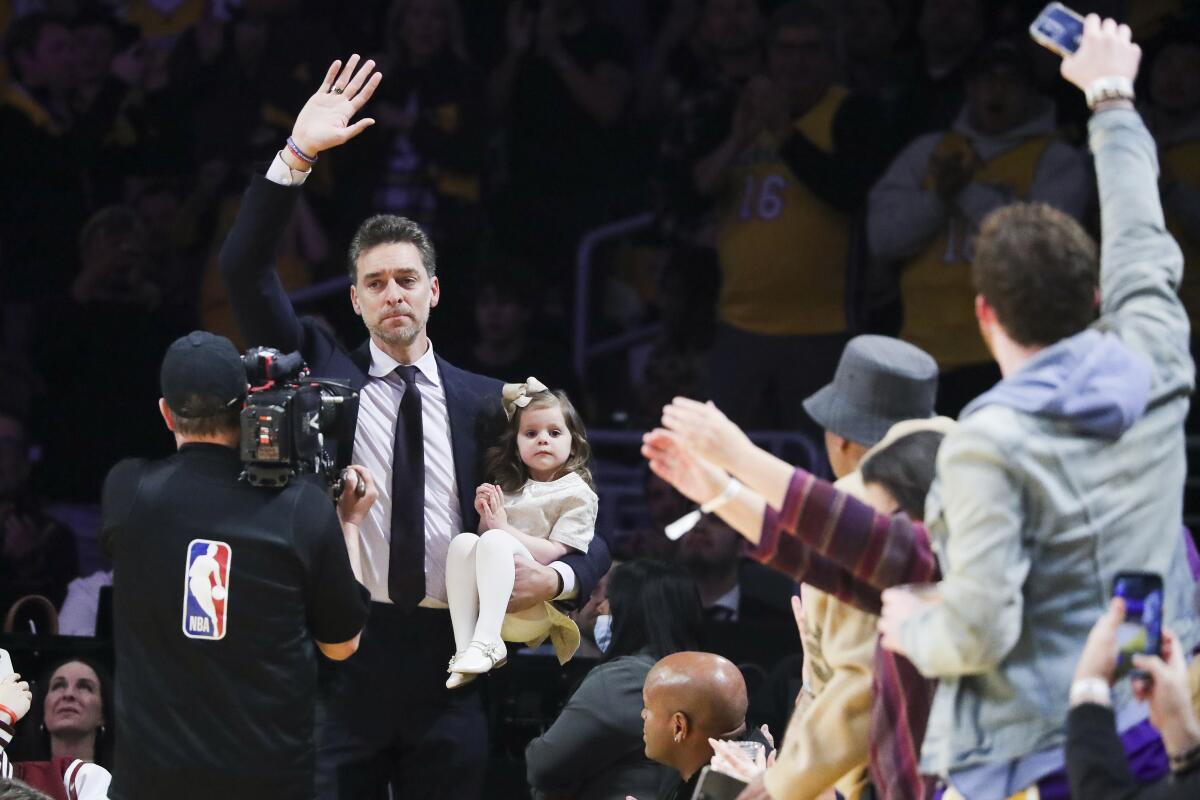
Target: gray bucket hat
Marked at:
879, 382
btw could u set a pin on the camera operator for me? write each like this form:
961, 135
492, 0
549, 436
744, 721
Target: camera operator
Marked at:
220, 588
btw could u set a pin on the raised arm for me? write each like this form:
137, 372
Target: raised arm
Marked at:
821, 536
903, 214
263, 311
1140, 264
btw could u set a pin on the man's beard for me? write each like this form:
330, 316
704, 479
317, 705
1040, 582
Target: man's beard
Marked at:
398, 336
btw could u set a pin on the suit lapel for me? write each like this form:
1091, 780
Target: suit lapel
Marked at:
361, 357
357, 378
461, 408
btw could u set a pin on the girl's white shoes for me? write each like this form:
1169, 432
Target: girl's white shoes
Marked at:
478, 658
458, 679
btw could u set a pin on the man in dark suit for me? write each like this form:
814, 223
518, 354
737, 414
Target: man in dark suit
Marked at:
385, 715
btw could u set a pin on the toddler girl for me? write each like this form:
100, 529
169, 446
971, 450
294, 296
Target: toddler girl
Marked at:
542, 506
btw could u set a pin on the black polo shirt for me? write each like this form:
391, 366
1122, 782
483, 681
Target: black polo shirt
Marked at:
219, 589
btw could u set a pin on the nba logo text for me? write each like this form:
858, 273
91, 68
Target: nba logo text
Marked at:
206, 589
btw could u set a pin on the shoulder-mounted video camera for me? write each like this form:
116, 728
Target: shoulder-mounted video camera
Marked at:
292, 423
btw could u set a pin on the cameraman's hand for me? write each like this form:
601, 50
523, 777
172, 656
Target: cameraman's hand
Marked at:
1105, 50
15, 695
351, 507
324, 122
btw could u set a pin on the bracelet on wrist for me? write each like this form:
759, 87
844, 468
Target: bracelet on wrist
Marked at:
300, 154
1090, 690
12, 715
727, 494
1113, 87
688, 521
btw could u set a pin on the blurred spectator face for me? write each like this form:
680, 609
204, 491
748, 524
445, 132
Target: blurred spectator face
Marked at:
730, 26
50, 63
951, 25
423, 28
116, 248
249, 39
500, 317
14, 462
73, 704
869, 28
95, 46
997, 100
843, 454
663, 502
1173, 84
711, 544
801, 63
158, 207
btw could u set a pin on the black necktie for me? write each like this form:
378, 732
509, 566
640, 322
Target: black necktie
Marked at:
406, 564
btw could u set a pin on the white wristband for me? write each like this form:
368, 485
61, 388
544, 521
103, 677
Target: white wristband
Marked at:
1090, 690
727, 494
688, 521
1112, 87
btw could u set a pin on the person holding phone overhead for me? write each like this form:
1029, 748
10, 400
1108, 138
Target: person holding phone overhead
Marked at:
1066, 473
1098, 768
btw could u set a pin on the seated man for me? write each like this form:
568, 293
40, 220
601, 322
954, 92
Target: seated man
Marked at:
688, 699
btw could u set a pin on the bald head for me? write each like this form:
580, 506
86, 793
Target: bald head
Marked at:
688, 698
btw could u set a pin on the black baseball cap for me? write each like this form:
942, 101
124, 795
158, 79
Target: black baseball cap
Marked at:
202, 375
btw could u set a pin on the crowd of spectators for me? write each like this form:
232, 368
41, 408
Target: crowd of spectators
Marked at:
814, 170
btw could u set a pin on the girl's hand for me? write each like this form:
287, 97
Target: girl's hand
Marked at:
498, 514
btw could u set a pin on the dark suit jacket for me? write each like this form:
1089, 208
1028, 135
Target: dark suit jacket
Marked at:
594, 750
266, 317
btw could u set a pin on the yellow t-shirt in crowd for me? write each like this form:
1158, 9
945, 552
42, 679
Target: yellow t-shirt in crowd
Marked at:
936, 287
782, 249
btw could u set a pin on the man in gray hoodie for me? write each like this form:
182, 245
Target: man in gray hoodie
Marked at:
924, 213
1066, 473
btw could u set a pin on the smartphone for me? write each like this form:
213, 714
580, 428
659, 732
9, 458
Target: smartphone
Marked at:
1058, 28
751, 749
1141, 632
6, 667
717, 786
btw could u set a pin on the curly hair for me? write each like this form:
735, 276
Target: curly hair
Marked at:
503, 464
1039, 269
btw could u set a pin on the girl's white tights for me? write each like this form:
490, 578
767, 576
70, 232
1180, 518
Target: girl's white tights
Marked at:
479, 582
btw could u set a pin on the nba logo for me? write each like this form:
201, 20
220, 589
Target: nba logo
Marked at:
206, 589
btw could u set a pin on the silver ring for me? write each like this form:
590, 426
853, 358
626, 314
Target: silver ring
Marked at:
337, 91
